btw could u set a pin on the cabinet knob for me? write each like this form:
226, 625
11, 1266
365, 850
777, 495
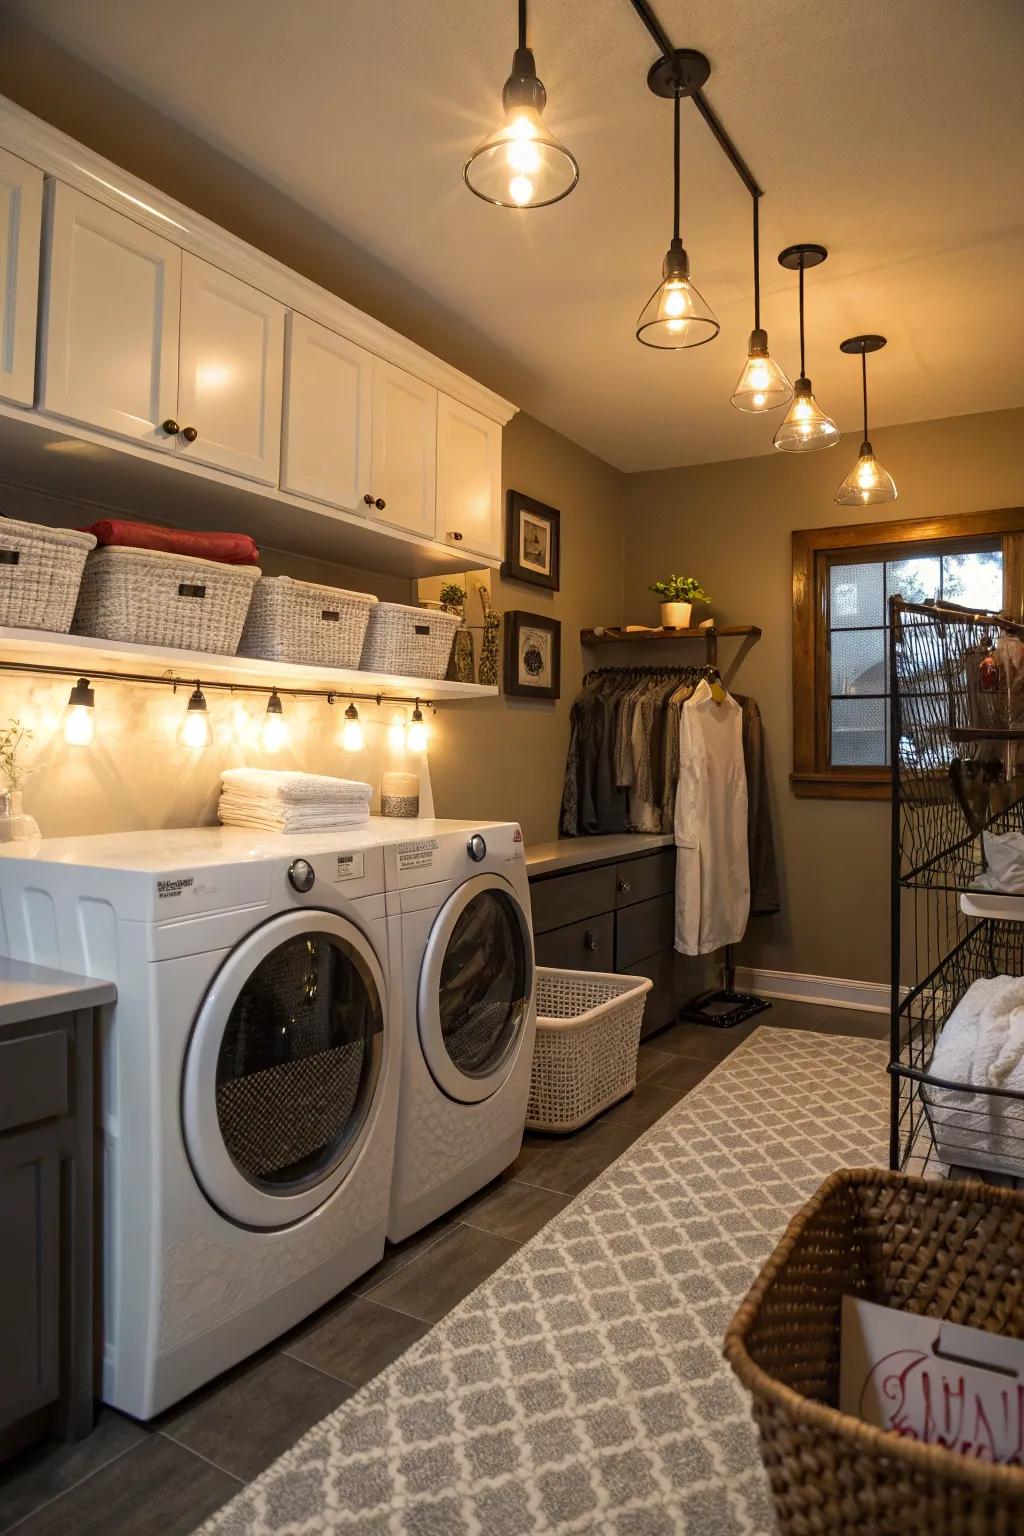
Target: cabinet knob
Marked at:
368, 499
380, 504
189, 434
623, 886
170, 426
590, 941
455, 537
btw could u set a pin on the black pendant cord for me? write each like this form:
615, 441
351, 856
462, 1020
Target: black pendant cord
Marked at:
675, 170
802, 372
864, 382
757, 268
522, 24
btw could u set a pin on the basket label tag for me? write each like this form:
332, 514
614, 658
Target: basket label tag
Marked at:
350, 866
418, 854
935, 1382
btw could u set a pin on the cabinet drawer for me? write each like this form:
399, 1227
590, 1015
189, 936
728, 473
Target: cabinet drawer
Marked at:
586, 946
570, 898
644, 929
33, 1079
662, 1000
639, 879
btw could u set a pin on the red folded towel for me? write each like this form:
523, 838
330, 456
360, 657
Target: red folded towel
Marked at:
229, 548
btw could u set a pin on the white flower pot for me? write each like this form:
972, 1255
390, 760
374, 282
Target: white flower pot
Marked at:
676, 615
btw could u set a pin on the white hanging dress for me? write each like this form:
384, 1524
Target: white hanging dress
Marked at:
712, 865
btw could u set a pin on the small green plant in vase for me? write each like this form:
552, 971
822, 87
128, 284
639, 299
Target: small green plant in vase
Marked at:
678, 595
15, 826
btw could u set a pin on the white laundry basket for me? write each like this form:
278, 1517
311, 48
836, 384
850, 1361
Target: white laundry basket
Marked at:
588, 1035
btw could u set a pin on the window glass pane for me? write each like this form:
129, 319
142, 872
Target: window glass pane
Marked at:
976, 580
858, 661
916, 579
856, 595
859, 732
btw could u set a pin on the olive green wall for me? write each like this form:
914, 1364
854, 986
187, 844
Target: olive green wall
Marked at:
730, 524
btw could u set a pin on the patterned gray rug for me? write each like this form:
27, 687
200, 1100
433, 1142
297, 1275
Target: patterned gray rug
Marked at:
581, 1389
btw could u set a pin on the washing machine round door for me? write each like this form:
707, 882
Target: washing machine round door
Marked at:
475, 988
283, 1067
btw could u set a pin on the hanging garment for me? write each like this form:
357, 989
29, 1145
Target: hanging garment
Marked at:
764, 873
712, 862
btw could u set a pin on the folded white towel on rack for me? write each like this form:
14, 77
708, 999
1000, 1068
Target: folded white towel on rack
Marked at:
981, 1046
290, 788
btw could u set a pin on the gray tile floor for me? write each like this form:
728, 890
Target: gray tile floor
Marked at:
164, 1478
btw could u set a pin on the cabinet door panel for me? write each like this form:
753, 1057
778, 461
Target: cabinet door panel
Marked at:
468, 478
109, 350
644, 929
30, 1273
230, 372
328, 400
21, 220
404, 467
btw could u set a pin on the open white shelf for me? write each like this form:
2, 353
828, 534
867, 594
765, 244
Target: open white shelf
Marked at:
999, 905
83, 652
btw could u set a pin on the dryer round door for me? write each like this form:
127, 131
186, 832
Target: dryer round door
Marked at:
282, 1068
475, 986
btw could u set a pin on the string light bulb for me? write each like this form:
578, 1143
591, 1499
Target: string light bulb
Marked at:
352, 738
417, 734
867, 484
195, 730
80, 715
805, 426
274, 730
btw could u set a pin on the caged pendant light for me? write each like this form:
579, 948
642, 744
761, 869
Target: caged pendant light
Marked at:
676, 316
805, 427
521, 164
868, 483
762, 384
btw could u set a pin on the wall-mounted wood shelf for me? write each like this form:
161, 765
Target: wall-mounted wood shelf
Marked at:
710, 636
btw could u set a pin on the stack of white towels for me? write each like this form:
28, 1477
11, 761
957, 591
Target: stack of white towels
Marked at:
291, 802
981, 1046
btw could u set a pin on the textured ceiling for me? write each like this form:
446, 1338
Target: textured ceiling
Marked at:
881, 128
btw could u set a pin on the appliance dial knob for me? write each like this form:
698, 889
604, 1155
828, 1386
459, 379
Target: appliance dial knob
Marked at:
476, 848
301, 876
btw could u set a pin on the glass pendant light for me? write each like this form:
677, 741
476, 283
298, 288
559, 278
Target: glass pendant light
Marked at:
675, 315
80, 715
762, 384
521, 164
352, 738
805, 426
868, 483
274, 730
195, 730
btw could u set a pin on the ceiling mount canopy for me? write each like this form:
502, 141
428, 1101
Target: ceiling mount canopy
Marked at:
867, 484
521, 164
805, 426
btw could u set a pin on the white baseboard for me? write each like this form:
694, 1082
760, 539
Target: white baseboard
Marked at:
832, 991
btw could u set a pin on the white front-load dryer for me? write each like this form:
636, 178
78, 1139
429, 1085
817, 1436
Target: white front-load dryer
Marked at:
249, 1084
468, 986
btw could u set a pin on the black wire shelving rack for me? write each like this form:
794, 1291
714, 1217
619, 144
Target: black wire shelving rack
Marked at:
957, 728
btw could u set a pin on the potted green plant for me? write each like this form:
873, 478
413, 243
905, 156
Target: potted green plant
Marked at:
678, 595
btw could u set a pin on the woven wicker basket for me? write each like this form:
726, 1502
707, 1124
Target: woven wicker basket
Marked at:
147, 597
409, 642
584, 1056
949, 1250
299, 621
40, 573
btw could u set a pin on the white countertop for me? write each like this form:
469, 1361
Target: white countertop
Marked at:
35, 991
569, 852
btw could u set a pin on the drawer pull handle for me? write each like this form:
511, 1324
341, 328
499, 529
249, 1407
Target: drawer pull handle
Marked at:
590, 941
624, 886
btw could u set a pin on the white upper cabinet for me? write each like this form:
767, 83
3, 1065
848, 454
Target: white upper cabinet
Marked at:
109, 346
328, 404
468, 478
230, 370
21, 220
404, 458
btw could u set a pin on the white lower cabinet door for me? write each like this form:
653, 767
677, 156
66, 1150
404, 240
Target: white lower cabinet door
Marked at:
109, 344
404, 460
21, 221
230, 373
328, 401
468, 478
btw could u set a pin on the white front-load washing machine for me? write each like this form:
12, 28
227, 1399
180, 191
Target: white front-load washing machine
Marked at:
249, 1083
468, 986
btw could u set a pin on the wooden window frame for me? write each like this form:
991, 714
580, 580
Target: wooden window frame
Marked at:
812, 776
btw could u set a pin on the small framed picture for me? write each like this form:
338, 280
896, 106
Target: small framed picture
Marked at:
532, 550
533, 654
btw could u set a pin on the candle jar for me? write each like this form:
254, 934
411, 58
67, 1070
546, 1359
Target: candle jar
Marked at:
400, 795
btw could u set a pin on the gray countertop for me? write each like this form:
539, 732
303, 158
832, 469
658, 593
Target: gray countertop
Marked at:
570, 852
35, 991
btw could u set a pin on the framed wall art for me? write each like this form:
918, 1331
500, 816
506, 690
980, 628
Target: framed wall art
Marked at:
533, 647
532, 544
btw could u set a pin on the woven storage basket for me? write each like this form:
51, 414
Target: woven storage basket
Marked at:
40, 573
147, 597
409, 642
584, 1056
299, 621
949, 1250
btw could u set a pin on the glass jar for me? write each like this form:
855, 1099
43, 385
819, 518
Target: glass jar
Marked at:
15, 825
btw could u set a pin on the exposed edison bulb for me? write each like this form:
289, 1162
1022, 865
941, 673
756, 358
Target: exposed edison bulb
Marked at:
80, 715
352, 738
805, 426
675, 304
762, 384
195, 730
396, 733
520, 190
274, 730
868, 482
417, 735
